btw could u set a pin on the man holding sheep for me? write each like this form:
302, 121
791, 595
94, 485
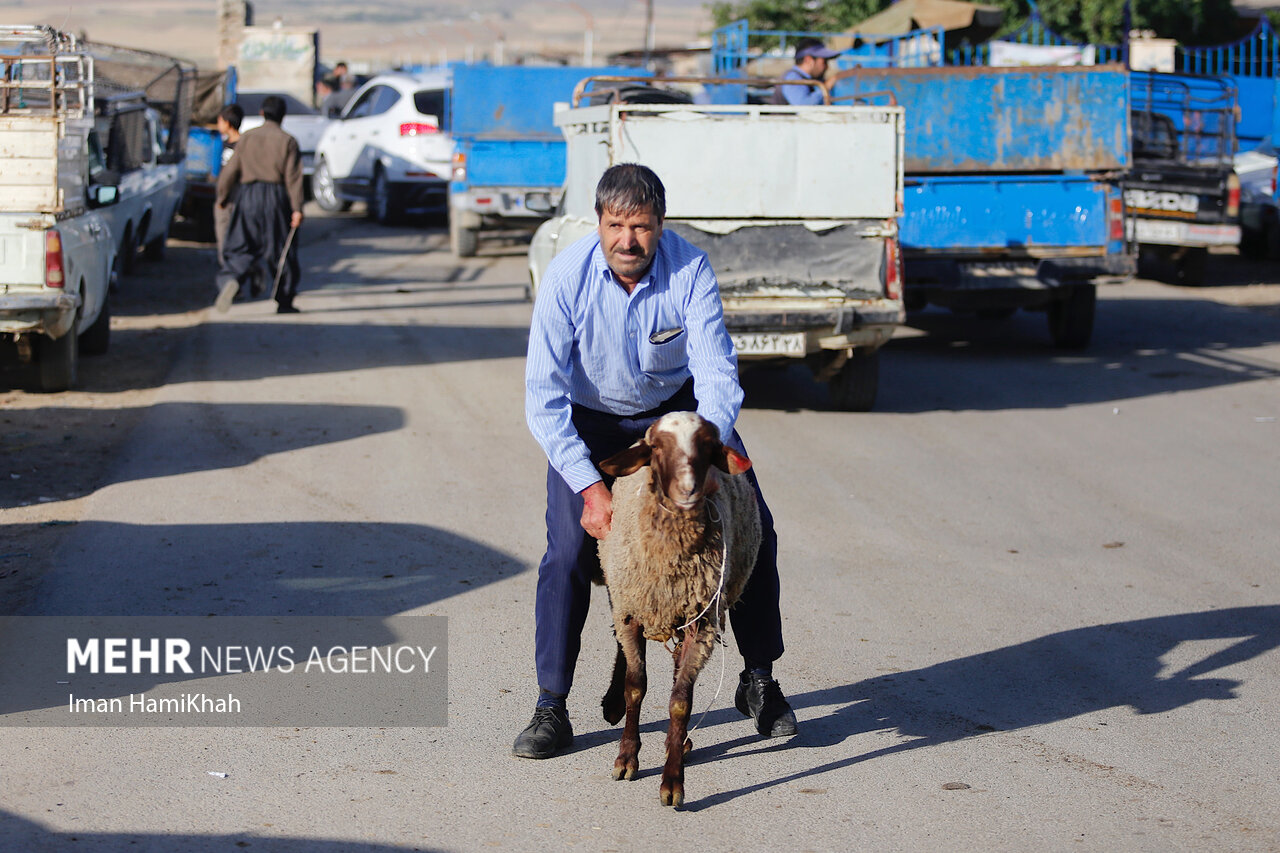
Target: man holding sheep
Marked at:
628, 326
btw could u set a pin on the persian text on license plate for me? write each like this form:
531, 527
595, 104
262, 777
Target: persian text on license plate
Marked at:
768, 343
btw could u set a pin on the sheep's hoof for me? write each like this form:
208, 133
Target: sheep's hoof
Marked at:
671, 794
624, 769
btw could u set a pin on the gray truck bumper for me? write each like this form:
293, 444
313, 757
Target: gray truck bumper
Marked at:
48, 313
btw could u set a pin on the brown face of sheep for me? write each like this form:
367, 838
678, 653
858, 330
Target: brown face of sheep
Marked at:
681, 447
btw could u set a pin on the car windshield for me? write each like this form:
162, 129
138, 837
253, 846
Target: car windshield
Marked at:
252, 104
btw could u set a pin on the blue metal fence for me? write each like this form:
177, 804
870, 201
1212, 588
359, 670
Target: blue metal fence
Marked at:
735, 44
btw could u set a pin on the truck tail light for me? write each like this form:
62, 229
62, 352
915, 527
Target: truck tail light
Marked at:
1233, 195
417, 128
1115, 218
892, 269
54, 273
459, 166
1271, 191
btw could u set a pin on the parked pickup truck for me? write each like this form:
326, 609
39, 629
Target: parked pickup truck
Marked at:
1013, 195
56, 249
508, 160
1182, 195
143, 110
806, 255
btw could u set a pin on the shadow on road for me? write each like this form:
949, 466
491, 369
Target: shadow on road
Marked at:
354, 576
17, 833
1141, 347
1053, 678
226, 435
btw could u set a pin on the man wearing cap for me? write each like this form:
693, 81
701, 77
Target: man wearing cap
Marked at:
811, 64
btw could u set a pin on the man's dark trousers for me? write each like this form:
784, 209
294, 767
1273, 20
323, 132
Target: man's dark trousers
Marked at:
564, 577
259, 229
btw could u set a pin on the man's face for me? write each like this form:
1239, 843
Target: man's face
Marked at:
629, 241
814, 66
223, 127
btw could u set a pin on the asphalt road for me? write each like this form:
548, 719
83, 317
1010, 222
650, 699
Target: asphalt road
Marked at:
1030, 602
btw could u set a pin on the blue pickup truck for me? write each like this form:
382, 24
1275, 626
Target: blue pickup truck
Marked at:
1013, 196
508, 153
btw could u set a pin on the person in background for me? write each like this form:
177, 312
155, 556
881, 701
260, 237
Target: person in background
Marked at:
331, 106
229, 127
267, 169
811, 64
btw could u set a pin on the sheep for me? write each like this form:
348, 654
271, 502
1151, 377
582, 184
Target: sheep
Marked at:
682, 545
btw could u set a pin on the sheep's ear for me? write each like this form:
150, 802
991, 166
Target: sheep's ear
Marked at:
731, 461
628, 461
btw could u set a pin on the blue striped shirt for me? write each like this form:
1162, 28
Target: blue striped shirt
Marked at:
800, 95
591, 344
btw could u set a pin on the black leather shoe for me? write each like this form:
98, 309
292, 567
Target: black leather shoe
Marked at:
547, 733
286, 308
760, 698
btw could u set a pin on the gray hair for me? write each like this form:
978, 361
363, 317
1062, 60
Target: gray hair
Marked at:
630, 188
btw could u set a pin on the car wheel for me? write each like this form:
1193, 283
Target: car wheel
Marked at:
157, 248
324, 190
463, 241
57, 360
128, 251
1071, 318
1190, 268
96, 338
382, 206
854, 388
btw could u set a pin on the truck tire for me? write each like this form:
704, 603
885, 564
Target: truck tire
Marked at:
57, 361
1071, 317
325, 191
97, 337
157, 248
382, 206
1190, 268
463, 241
128, 251
854, 388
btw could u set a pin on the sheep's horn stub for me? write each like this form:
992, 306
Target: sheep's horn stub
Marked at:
628, 461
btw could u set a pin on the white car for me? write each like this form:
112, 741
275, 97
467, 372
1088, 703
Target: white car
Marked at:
390, 148
301, 121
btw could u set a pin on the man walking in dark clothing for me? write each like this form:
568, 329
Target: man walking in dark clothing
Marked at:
267, 169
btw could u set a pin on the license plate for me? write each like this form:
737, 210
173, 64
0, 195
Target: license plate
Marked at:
768, 343
1149, 231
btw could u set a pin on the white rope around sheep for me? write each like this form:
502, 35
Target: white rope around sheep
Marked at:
715, 517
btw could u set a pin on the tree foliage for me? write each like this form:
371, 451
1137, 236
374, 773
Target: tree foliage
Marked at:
1192, 22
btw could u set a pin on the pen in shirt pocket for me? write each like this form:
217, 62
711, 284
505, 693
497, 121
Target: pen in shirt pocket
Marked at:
665, 335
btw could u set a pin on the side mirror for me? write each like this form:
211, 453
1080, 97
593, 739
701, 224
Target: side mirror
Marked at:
103, 195
539, 202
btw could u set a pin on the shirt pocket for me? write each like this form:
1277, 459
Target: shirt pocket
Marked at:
667, 357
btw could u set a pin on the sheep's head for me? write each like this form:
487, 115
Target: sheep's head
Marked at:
681, 448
